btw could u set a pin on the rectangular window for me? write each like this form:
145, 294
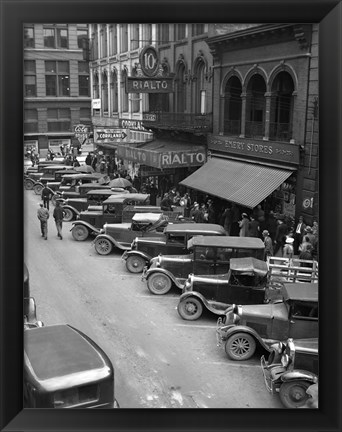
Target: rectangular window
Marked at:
59, 120
163, 32
124, 37
56, 37
180, 31
30, 88
83, 79
103, 40
82, 34
30, 120
135, 36
197, 29
29, 37
113, 40
136, 102
85, 115
57, 78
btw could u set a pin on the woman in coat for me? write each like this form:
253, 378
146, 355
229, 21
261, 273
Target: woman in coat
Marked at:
243, 224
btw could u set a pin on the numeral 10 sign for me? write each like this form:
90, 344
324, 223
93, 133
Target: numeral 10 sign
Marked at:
149, 61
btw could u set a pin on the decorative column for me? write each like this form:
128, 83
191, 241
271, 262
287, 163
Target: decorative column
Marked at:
268, 96
243, 114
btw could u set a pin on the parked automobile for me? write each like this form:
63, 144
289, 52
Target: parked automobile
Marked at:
48, 176
69, 180
295, 316
64, 368
54, 179
121, 235
291, 368
81, 192
91, 221
94, 197
245, 283
30, 315
174, 240
32, 177
209, 256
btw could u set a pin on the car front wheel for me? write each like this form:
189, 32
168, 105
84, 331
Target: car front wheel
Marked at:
103, 246
80, 233
38, 189
28, 185
293, 394
240, 346
190, 309
159, 283
69, 215
135, 264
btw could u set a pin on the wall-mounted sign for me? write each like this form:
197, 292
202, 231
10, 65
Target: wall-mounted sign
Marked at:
270, 150
96, 103
149, 85
132, 124
149, 61
109, 135
82, 132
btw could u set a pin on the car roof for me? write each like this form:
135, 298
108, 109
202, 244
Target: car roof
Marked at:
121, 198
194, 227
249, 265
227, 241
147, 217
57, 351
56, 167
303, 291
104, 191
80, 176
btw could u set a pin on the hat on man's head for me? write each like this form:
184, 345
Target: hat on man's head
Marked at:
289, 240
196, 204
265, 233
308, 229
245, 214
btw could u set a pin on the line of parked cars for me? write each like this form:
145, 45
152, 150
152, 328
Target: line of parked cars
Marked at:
224, 275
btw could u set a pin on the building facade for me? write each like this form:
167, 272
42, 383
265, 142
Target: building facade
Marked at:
56, 85
152, 101
264, 141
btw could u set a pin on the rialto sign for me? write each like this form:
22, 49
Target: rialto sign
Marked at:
163, 159
150, 76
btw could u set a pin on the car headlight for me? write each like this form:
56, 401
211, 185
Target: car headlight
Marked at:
188, 284
236, 319
285, 360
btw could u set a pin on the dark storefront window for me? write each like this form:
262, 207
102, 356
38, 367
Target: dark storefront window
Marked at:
59, 120
30, 88
57, 78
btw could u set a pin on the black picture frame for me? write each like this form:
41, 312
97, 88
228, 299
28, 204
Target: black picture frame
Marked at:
13, 15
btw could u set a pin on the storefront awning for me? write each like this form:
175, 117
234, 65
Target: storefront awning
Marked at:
164, 154
243, 183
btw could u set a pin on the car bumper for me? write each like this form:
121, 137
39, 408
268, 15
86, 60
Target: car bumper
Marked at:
272, 374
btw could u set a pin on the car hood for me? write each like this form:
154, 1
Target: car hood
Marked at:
165, 260
219, 279
266, 311
158, 239
117, 227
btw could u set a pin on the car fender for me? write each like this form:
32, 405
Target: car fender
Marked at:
75, 211
90, 227
143, 255
244, 329
299, 374
166, 272
29, 179
195, 294
113, 241
36, 183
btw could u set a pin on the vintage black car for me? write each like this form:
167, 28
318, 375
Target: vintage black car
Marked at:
91, 221
46, 171
82, 192
173, 241
71, 179
245, 283
52, 184
94, 197
121, 235
64, 368
291, 368
295, 316
209, 256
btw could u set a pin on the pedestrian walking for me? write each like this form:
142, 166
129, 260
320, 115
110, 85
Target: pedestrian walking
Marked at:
46, 196
226, 219
288, 247
196, 214
280, 235
299, 232
253, 227
166, 203
268, 244
88, 159
153, 194
211, 212
43, 215
58, 215
243, 224
235, 227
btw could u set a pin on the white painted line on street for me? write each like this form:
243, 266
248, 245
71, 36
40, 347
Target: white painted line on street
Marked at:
233, 364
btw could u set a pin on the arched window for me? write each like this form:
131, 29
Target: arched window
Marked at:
114, 91
104, 92
124, 95
200, 91
281, 107
232, 106
255, 107
180, 89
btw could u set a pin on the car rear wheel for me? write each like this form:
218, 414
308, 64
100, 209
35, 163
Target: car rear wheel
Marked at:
135, 264
190, 308
80, 232
103, 246
69, 215
28, 185
159, 283
38, 189
240, 346
293, 394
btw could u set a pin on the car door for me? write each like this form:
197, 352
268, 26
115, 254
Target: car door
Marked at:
223, 256
175, 244
303, 320
204, 260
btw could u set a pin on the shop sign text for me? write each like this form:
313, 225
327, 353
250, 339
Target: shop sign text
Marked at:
149, 85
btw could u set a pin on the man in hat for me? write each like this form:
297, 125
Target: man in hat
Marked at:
309, 234
268, 244
298, 235
288, 248
46, 195
43, 215
197, 214
58, 215
280, 235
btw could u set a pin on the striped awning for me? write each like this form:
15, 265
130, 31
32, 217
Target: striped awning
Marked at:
243, 183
